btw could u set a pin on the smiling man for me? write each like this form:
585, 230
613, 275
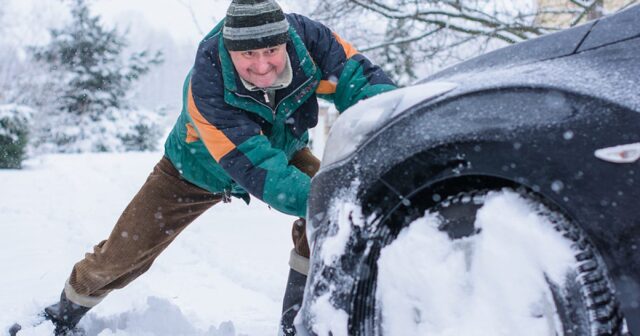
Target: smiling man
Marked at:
248, 102
261, 67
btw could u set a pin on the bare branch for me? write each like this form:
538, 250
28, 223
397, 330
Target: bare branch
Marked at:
401, 41
567, 11
193, 16
444, 30
383, 7
580, 4
442, 18
584, 13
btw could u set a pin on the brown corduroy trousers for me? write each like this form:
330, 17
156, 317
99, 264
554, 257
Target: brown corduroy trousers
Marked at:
165, 205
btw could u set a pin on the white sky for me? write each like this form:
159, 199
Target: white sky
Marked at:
174, 16
30, 18
184, 20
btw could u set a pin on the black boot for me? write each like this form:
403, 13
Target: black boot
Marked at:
65, 315
292, 302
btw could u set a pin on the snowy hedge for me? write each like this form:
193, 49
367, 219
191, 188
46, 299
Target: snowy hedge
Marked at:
114, 130
14, 134
143, 133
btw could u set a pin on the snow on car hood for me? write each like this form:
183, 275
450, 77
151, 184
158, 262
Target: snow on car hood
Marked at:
357, 123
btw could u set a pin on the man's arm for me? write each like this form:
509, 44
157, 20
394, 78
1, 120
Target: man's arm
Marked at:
347, 75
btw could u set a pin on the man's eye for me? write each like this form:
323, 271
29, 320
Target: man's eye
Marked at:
248, 53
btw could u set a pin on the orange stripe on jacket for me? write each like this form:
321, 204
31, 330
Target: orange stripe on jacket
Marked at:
192, 134
348, 48
328, 87
216, 142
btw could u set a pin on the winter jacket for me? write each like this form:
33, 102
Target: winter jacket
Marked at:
229, 140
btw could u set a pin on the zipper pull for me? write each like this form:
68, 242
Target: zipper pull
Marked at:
266, 98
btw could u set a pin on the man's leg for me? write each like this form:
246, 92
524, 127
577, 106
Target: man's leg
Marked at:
299, 259
162, 208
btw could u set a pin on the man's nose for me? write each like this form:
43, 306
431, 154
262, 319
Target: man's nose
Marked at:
262, 64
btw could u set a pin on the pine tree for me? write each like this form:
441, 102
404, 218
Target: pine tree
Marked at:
94, 81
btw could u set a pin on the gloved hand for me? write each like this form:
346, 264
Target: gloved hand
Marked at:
299, 235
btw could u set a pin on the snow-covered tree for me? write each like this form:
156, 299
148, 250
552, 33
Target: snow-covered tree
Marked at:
91, 81
14, 134
414, 37
6, 58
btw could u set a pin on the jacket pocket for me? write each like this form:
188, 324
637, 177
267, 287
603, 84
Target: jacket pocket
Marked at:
304, 118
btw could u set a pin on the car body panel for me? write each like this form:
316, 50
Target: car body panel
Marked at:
612, 29
535, 50
532, 114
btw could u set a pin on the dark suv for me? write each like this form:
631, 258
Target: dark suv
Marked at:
555, 120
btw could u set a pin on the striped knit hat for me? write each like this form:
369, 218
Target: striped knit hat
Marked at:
254, 24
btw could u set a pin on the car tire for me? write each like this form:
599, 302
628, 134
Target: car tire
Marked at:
585, 305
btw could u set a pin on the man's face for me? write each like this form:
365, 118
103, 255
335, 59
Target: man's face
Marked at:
260, 67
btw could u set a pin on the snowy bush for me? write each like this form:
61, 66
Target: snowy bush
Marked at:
142, 132
115, 130
14, 134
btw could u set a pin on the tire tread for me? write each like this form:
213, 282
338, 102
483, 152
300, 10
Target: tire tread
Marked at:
596, 288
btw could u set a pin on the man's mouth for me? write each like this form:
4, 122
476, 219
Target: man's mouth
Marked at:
263, 74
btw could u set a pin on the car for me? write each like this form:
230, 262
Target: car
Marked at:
551, 124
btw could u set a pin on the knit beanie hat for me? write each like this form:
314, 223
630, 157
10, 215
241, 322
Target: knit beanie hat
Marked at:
254, 24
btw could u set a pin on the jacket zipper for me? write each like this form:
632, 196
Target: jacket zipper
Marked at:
273, 110
294, 91
266, 99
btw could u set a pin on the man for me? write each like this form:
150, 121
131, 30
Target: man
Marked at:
248, 102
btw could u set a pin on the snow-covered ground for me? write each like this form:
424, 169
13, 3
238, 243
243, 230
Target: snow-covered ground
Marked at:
225, 274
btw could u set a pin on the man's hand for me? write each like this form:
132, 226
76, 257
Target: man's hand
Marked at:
299, 235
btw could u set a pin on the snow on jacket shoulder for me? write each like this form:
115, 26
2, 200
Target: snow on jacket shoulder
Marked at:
229, 140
